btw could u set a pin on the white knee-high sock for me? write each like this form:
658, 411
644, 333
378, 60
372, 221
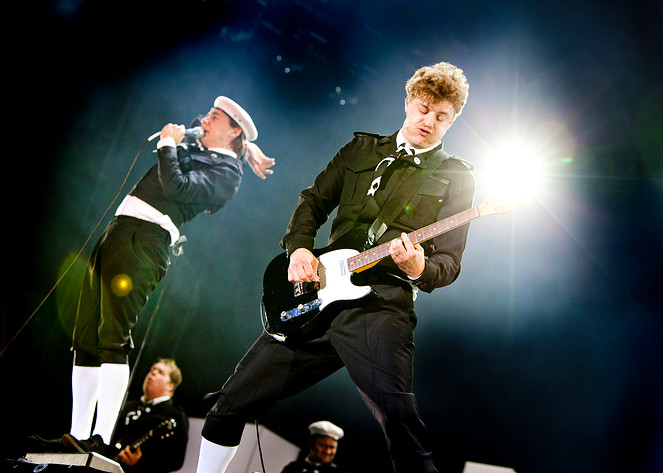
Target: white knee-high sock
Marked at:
85, 391
214, 458
114, 382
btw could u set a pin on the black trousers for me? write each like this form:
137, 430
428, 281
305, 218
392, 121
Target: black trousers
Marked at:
374, 342
126, 264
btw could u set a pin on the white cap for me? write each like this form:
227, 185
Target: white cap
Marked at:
327, 429
238, 114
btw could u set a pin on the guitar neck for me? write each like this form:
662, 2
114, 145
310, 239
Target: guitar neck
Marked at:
141, 441
372, 256
166, 427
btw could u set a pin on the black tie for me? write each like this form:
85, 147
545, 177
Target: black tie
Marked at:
383, 166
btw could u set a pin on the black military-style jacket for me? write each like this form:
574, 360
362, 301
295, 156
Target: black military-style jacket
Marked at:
188, 180
344, 184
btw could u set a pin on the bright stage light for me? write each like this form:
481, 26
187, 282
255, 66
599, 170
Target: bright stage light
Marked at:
513, 171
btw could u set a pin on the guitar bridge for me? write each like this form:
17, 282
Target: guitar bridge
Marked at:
301, 288
300, 310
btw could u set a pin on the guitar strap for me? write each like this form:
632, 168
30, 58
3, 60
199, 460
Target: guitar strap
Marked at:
408, 186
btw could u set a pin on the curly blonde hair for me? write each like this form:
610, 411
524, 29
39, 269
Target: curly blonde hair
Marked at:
441, 81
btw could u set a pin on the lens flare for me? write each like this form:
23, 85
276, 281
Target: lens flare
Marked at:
121, 285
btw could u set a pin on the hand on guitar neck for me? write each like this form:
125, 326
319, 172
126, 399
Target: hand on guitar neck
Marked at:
408, 256
128, 456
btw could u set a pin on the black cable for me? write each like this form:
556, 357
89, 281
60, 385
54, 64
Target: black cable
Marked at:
262, 462
66, 271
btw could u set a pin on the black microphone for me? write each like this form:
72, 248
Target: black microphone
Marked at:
195, 132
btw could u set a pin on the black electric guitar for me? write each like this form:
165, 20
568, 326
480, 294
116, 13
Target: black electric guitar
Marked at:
165, 429
299, 309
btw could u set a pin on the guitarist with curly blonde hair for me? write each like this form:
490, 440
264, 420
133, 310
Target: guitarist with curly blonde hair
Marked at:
384, 188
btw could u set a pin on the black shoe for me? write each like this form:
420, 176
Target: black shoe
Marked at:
94, 444
37, 444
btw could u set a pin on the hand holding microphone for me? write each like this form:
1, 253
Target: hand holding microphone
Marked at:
178, 132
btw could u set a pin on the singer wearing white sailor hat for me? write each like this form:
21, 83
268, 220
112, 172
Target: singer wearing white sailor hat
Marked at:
198, 170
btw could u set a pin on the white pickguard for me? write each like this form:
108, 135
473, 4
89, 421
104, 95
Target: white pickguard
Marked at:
335, 284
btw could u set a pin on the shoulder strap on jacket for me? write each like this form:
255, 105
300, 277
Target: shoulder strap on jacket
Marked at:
407, 188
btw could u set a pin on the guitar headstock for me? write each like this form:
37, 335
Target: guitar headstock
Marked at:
499, 206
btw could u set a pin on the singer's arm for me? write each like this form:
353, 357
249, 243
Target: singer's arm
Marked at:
212, 184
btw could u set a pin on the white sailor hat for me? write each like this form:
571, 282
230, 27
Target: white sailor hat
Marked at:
327, 429
238, 114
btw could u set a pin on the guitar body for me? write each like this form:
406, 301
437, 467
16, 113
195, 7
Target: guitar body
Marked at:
302, 309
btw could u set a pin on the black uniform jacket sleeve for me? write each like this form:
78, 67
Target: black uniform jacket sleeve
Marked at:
213, 183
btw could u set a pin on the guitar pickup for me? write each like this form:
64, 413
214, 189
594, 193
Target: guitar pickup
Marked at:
300, 310
301, 288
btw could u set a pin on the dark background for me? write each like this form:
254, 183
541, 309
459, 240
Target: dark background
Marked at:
543, 356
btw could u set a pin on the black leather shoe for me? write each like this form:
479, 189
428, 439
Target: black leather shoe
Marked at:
93, 444
37, 444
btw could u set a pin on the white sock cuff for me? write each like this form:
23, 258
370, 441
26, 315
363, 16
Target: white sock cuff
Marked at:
214, 458
117, 369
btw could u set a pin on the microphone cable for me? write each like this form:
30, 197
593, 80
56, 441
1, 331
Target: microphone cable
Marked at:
262, 462
80, 252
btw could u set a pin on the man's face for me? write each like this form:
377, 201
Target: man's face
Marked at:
322, 449
426, 123
217, 128
157, 382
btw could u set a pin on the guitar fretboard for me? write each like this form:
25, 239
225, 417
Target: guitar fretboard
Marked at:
371, 256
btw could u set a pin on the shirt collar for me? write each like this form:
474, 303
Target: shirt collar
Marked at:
155, 401
219, 150
400, 141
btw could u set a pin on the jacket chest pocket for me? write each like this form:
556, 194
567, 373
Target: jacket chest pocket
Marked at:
355, 186
424, 206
